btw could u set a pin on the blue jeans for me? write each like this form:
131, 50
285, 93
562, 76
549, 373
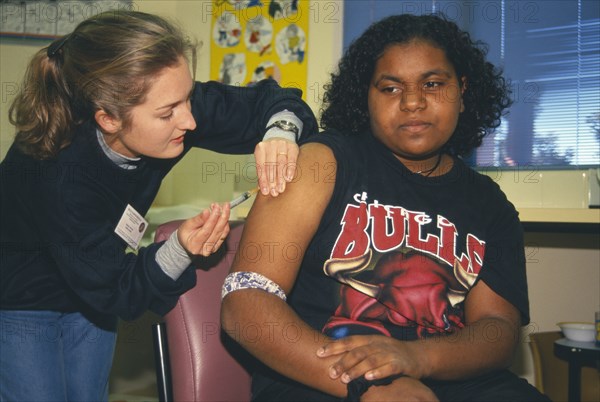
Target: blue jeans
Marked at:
52, 356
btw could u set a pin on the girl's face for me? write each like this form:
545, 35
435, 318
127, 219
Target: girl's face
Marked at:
414, 100
158, 125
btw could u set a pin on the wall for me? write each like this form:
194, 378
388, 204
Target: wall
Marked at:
563, 269
191, 181
563, 272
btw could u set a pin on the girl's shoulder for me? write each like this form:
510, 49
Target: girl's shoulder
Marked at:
342, 144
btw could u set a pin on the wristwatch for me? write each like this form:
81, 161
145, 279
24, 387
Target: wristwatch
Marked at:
286, 126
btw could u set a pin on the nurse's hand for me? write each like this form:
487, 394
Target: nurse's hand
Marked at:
204, 233
275, 164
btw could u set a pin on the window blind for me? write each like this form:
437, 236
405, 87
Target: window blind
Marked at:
549, 50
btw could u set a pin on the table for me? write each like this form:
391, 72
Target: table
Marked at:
577, 354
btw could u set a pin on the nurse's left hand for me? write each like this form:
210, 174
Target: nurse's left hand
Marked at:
275, 164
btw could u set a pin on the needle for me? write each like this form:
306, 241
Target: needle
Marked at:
238, 200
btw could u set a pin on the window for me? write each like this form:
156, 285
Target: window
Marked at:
549, 50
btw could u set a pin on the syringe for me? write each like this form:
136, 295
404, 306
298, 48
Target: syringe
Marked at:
238, 200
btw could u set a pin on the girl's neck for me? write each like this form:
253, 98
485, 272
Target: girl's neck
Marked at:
435, 166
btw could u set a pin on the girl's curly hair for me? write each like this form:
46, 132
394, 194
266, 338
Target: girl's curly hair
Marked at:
487, 94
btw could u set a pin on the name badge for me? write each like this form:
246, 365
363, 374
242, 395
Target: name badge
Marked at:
131, 227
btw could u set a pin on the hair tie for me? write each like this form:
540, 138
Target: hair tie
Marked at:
57, 45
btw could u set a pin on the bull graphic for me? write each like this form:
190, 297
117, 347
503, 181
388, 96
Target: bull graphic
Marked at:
401, 288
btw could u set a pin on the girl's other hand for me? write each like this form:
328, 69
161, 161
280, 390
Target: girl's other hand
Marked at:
275, 164
374, 356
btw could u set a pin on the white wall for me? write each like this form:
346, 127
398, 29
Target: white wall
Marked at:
563, 272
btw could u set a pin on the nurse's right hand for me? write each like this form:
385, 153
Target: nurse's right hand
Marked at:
204, 233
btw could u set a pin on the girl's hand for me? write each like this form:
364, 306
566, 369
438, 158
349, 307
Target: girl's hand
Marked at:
205, 233
402, 389
374, 356
275, 164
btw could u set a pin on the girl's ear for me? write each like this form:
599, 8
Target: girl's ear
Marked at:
107, 123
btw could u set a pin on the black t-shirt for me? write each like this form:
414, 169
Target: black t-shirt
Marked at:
397, 252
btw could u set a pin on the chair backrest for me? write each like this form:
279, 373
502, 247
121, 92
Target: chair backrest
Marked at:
201, 363
551, 373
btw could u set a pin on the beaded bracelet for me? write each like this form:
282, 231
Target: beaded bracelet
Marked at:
250, 280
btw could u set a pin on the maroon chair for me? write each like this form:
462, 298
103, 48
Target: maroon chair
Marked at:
194, 357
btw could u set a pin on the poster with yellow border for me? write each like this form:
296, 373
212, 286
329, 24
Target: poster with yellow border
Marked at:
256, 39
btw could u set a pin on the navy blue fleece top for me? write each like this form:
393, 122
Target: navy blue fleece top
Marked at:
58, 248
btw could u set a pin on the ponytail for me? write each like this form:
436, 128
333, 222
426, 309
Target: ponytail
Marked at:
41, 111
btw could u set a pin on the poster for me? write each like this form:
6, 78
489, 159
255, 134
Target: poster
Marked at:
253, 40
49, 19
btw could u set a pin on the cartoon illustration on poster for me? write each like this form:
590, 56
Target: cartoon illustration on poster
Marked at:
259, 34
233, 69
254, 40
265, 70
282, 8
290, 44
227, 31
238, 4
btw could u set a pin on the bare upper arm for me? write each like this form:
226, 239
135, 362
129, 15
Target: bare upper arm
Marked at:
482, 302
279, 229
